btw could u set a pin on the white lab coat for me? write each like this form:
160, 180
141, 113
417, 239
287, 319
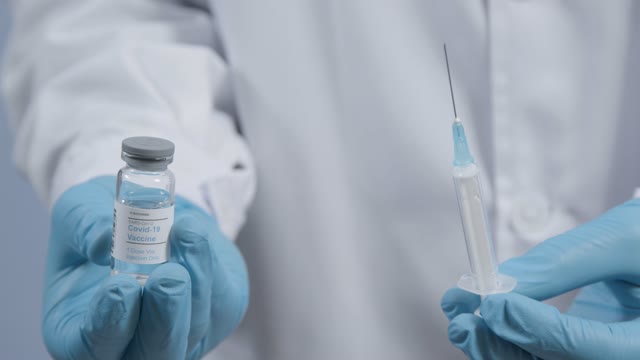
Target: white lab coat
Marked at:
354, 232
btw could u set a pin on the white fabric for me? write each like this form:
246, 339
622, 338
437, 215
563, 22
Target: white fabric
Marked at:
354, 233
81, 76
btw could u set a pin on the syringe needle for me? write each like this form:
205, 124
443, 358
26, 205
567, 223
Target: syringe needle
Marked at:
461, 149
453, 100
484, 278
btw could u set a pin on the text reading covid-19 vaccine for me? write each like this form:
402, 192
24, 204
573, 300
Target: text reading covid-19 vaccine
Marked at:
143, 210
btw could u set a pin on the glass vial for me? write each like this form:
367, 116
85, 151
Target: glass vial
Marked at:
143, 209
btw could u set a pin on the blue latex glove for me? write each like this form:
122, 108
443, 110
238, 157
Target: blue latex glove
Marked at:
603, 322
188, 305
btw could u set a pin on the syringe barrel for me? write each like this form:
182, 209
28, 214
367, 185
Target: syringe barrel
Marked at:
476, 227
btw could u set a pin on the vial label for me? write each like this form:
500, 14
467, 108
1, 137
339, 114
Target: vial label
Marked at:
141, 236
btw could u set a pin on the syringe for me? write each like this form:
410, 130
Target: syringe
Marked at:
484, 278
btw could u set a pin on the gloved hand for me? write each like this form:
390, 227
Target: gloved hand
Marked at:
603, 322
188, 305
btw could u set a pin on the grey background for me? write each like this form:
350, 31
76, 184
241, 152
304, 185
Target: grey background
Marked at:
23, 235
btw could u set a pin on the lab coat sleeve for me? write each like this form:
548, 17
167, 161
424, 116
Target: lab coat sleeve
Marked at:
80, 76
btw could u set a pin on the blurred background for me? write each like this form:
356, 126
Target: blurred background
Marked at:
24, 228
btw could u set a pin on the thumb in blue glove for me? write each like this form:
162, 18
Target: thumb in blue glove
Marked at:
602, 322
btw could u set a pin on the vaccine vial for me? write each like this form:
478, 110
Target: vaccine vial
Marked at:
143, 209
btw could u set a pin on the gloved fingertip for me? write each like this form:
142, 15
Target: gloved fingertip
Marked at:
169, 279
495, 300
117, 299
457, 301
112, 318
536, 327
492, 306
165, 316
461, 327
471, 334
513, 315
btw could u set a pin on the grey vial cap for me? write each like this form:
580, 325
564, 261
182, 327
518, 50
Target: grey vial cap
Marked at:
147, 153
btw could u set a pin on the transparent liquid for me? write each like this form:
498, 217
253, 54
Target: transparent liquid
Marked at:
134, 195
